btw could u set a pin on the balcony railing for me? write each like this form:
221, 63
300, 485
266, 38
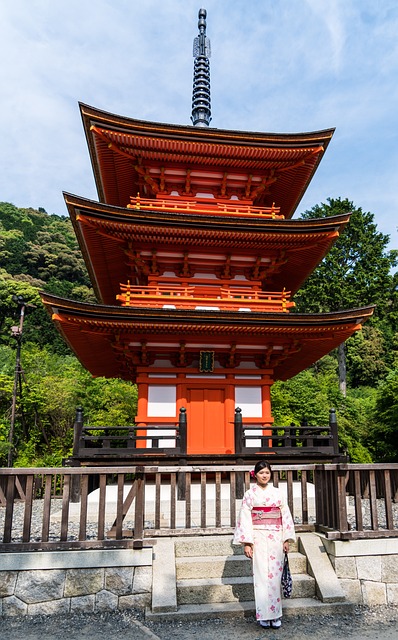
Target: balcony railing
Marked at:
194, 297
110, 443
208, 207
292, 440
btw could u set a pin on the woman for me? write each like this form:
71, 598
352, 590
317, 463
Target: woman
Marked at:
265, 527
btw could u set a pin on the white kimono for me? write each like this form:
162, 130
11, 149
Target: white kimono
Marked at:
266, 528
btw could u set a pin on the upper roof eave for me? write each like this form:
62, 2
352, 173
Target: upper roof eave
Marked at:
244, 137
254, 147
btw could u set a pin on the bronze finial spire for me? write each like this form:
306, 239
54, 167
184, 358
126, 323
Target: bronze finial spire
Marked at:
201, 112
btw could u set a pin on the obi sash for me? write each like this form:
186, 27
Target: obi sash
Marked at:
263, 516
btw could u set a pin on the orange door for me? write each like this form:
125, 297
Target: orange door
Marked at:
207, 430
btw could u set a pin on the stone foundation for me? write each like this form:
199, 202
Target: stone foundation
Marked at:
56, 582
367, 569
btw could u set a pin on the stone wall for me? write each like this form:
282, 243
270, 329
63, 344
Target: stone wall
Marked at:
367, 569
57, 582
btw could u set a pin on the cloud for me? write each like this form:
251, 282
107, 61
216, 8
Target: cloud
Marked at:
277, 65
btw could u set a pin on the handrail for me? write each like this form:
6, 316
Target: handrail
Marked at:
372, 488
132, 505
285, 440
230, 207
190, 296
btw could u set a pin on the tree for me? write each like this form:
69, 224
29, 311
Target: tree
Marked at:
356, 271
366, 357
53, 386
38, 252
383, 437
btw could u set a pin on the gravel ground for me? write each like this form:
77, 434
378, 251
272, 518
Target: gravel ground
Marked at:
364, 624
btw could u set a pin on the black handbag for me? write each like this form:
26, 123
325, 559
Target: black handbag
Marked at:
287, 582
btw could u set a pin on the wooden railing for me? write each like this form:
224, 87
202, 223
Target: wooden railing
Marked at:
357, 501
67, 508
100, 507
191, 296
303, 440
130, 441
183, 205
312, 443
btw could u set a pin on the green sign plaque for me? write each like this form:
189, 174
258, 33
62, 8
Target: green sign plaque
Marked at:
206, 361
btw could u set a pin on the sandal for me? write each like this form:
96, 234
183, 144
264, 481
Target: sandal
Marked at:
275, 624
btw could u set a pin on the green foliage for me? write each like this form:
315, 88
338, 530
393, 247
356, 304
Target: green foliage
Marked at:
54, 386
355, 415
306, 399
357, 269
366, 356
38, 252
383, 436
302, 398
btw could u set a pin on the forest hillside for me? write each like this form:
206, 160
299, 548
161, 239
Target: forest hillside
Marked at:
39, 251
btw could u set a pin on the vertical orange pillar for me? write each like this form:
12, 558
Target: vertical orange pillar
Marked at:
266, 405
230, 413
141, 418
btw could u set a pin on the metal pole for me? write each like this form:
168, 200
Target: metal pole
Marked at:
16, 333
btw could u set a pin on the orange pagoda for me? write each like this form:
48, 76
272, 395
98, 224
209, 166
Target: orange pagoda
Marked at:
195, 258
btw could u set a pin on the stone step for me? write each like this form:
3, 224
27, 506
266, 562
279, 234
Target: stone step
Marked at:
291, 608
227, 566
207, 590
210, 546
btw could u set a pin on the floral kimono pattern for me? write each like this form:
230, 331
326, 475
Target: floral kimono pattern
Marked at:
267, 539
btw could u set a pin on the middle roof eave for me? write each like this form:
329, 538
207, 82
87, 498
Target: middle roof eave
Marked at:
105, 232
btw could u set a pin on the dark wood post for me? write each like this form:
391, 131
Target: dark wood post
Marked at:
77, 432
182, 436
341, 482
334, 430
238, 431
139, 513
182, 430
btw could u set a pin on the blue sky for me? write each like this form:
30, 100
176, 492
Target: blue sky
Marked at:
277, 66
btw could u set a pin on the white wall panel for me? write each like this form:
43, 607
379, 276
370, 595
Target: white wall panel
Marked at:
249, 400
161, 401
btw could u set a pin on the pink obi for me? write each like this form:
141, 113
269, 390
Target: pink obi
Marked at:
264, 516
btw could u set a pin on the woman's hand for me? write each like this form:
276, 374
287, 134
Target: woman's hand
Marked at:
248, 550
286, 546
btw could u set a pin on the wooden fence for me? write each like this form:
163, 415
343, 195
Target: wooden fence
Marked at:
357, 501
131, 506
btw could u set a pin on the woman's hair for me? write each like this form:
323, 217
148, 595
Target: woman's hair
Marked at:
262, 464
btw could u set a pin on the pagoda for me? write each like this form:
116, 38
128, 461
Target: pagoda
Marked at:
194, 258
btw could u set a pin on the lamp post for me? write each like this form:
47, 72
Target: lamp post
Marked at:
16, 332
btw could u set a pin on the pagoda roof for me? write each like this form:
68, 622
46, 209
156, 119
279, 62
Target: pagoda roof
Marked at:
107, 234
130, 156
114, 341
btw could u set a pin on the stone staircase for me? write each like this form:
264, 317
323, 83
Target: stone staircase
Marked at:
207, 576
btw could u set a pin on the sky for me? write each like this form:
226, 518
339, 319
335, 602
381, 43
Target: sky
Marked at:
277, 66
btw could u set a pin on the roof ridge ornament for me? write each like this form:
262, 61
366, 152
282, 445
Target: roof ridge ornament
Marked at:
201, 112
